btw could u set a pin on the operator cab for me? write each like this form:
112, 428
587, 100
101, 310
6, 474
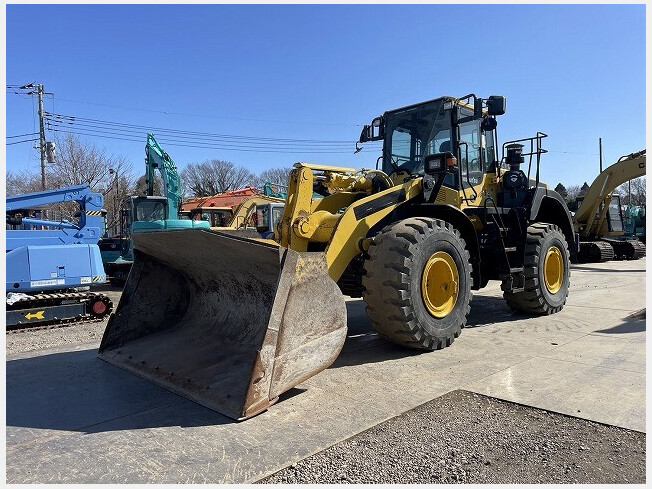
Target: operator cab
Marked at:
145, 210
268, 217
216, 216
441, 126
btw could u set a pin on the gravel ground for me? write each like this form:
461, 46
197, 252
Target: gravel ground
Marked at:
464, 437
72, 334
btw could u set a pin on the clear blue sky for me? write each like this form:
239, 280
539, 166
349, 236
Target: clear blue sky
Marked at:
576, 73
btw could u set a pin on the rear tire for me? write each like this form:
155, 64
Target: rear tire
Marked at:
399, 301
542, 295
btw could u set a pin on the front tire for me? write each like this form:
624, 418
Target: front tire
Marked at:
547, 272
417, 283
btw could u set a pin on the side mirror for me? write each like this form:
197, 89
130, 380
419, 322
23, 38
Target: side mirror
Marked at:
496, 105
438, 163
488, 124
373, 132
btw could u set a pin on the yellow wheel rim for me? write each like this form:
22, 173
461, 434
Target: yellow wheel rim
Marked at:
553, 270
440, 284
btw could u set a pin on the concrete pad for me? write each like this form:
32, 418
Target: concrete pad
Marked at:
608, 352
67, 390
74, 418
600, 394
183, 442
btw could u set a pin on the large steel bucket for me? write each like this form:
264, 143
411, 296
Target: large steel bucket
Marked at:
225, 321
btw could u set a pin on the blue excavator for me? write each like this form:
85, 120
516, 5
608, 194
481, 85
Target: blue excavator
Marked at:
146, 213
51, 264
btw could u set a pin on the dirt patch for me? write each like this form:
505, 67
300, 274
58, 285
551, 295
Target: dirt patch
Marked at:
41, 339
464, 437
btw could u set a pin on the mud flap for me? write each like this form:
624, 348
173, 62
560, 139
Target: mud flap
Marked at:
225, 321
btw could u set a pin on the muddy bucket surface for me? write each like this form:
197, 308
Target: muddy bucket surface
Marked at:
225, 321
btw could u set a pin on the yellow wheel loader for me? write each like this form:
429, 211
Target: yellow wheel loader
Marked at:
232, 322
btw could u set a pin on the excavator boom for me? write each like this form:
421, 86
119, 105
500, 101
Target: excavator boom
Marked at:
589, 215
156, 158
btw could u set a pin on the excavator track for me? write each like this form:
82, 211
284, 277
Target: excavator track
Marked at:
595, 252
45, 311
630, 249
639, 250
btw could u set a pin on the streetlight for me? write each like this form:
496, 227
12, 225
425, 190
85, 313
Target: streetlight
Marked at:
115, 199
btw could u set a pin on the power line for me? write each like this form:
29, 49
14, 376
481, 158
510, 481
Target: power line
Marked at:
573, 153
250, 143
167, 112
21, 135
19, 142
204, 146
189, 138
194, 139
100, 124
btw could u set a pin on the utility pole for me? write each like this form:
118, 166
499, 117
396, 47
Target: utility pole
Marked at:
41, 91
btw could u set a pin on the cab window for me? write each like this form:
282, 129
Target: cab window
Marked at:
412, 134
148, 210
277, 213
614, 216
489, 148
470, 149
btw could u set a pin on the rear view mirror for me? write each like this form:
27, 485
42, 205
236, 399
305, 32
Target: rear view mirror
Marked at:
496, 105
373, 132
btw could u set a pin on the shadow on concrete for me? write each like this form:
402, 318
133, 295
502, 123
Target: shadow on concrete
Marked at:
610, 270
363, 345
635, 323
488, 310
76, 391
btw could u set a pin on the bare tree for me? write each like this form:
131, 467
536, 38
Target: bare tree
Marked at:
23, 182
140, 187
637, 189
572, 191
274, 175
78, 163
214, 177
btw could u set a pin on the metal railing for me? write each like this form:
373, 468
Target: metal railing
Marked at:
534, 153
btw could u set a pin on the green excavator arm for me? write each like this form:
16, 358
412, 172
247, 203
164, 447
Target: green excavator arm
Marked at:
158, 159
